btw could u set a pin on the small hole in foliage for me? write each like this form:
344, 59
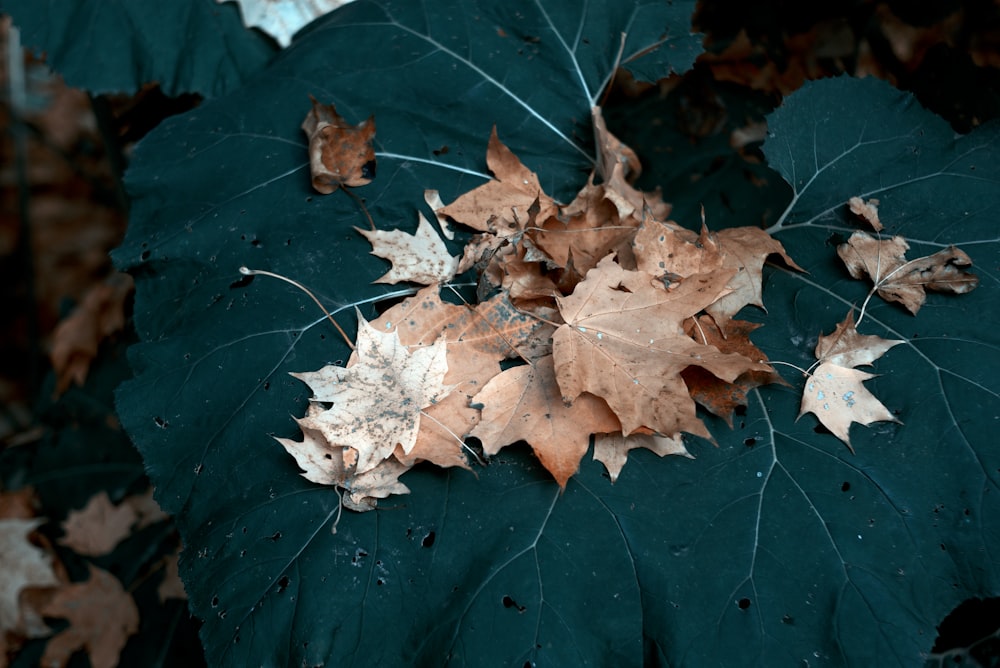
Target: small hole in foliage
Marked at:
282, 583
275, 536
743, 603
428, 540
215, 601
144, 255
788, 619
750, 442
846, 487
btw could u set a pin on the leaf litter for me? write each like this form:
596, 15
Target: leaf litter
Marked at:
601, 319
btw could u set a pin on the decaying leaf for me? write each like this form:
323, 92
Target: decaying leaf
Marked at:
102, 615
419, 258
834, 391
905, 281
375, 404
98, 527
340, 154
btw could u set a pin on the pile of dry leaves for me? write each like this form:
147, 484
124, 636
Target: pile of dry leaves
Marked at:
600, 318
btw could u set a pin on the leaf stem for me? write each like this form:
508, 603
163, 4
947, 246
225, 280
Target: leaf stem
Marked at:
255, 272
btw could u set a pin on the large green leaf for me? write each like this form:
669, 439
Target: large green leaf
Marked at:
117, 46
496, 569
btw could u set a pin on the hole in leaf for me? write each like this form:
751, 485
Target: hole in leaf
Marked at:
972, 632
508, 602
282, 583
275, 536
215, 601
441, 151
144, 255
788, 619
750, 442
428, 540
242, 282
161, 423
379, 581
743, 603
846, 487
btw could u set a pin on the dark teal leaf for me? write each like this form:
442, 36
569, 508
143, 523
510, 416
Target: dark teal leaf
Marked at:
117, 46
499, 569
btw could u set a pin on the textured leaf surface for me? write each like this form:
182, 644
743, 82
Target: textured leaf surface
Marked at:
117, 46
228, 185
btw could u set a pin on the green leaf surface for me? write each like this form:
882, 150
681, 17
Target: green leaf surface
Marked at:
495, 569
117, 46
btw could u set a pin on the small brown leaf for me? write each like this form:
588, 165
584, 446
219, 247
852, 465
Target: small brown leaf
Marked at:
867, 211
340, 154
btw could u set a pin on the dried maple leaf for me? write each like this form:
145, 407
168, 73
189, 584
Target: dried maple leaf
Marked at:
102, 615
524, 403
420, 258
501, 206
612, 449
97, 529
900, 280
376, 403
623, 341
834, 392
21, 565
340, 154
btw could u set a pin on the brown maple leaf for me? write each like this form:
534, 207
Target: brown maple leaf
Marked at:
834, 391
900, 280
376, 403
623, 341
419, 258
501, 206
102, 615
340, 154
524, 403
